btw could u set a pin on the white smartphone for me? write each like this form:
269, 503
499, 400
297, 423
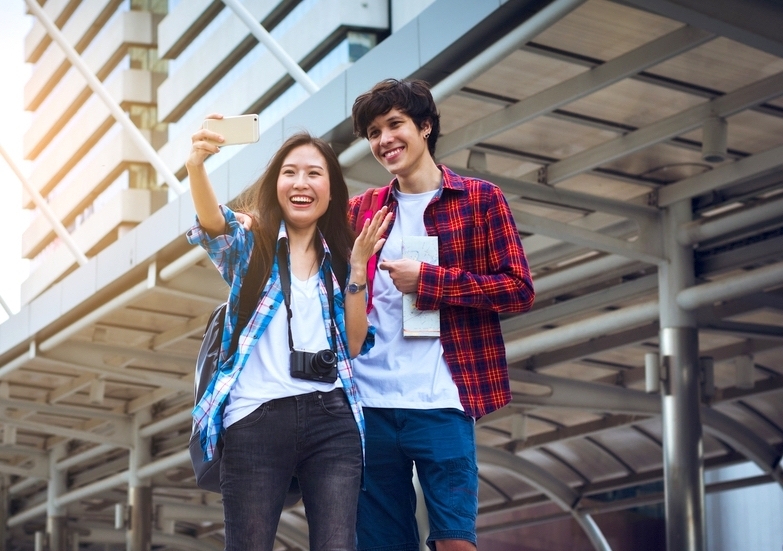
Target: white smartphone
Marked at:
236, 130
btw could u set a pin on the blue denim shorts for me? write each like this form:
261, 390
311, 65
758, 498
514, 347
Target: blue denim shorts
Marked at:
442, 445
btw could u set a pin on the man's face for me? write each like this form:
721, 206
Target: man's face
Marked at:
397, 143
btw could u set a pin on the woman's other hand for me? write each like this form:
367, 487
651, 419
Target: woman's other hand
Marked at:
369, 241
245, 219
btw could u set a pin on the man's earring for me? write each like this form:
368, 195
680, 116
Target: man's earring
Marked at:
426, 136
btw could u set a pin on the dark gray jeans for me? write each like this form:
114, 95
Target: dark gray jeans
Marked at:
313, 437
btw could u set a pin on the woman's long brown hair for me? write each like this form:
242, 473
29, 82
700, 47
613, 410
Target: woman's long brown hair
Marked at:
260, 200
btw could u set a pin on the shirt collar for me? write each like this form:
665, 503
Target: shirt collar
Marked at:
449, 180
282, 238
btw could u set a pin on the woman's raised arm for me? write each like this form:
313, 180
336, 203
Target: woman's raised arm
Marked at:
368, 242
204, 199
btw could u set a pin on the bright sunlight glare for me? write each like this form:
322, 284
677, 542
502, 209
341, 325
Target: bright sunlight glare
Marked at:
14, 121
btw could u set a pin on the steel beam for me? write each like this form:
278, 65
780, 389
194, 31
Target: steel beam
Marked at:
579, 86
68, 462
683, 461
511, 187
602, 398
752, 22
64, 410
537, 24
591, 347
117, 302
56, 515
263, 36
575, 394
759, 279
562, 280
67, 356
48, 213
561, 494
641, 250
37, 471
542, 252
593, 301
745, 330
770, 212
757, 165
611, 322
675, 125
120, 438
749, 444
683, 447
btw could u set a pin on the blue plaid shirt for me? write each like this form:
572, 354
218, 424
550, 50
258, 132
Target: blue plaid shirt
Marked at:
230, 253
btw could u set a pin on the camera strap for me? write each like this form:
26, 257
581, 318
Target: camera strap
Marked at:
285, 282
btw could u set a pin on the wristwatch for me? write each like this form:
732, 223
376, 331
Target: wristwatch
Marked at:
354, 288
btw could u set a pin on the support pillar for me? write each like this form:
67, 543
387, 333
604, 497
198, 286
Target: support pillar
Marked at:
683, 450
4, 484
55, 516
139, 535
140, 530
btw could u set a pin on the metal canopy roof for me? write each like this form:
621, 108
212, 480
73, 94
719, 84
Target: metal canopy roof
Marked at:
591, 128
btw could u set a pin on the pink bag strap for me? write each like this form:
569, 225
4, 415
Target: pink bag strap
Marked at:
372, 201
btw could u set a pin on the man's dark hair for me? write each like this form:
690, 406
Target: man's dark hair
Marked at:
411, 97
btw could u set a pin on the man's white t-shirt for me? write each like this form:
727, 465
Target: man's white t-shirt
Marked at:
266, 375
402, 372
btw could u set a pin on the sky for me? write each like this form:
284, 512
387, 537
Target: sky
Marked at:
14, 121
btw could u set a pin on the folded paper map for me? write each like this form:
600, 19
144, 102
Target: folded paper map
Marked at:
415, 322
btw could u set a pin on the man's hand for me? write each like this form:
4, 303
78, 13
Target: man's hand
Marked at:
404, 273
245, 219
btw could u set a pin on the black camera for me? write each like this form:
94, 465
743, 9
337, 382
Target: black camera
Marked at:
318, 366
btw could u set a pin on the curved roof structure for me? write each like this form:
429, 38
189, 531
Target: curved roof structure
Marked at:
640, 146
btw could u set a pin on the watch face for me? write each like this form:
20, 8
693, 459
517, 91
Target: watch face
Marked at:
354, 288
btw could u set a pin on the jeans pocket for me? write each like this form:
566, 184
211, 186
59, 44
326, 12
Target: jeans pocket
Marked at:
335, 403
251, 419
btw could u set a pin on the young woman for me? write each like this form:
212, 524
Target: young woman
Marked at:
282, 409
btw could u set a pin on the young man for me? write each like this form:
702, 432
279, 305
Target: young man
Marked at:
422, 395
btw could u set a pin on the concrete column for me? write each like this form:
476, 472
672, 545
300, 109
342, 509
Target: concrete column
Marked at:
139, 535
4, 484
55, 516
140, 530
683, 452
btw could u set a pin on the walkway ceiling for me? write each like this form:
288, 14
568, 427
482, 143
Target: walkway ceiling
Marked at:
591, 128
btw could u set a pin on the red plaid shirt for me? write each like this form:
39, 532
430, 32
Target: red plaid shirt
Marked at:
482, 272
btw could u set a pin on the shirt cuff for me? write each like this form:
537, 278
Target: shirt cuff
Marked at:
369, 340
197, 235
430, 290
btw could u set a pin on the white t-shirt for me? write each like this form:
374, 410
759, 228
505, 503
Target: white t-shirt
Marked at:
398, 372
266, 375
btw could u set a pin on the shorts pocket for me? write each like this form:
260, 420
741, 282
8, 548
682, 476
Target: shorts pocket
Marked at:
463, 487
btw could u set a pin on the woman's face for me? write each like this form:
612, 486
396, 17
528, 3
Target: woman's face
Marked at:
303, 187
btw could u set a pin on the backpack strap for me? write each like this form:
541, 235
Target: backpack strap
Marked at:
372, 201
248, 300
